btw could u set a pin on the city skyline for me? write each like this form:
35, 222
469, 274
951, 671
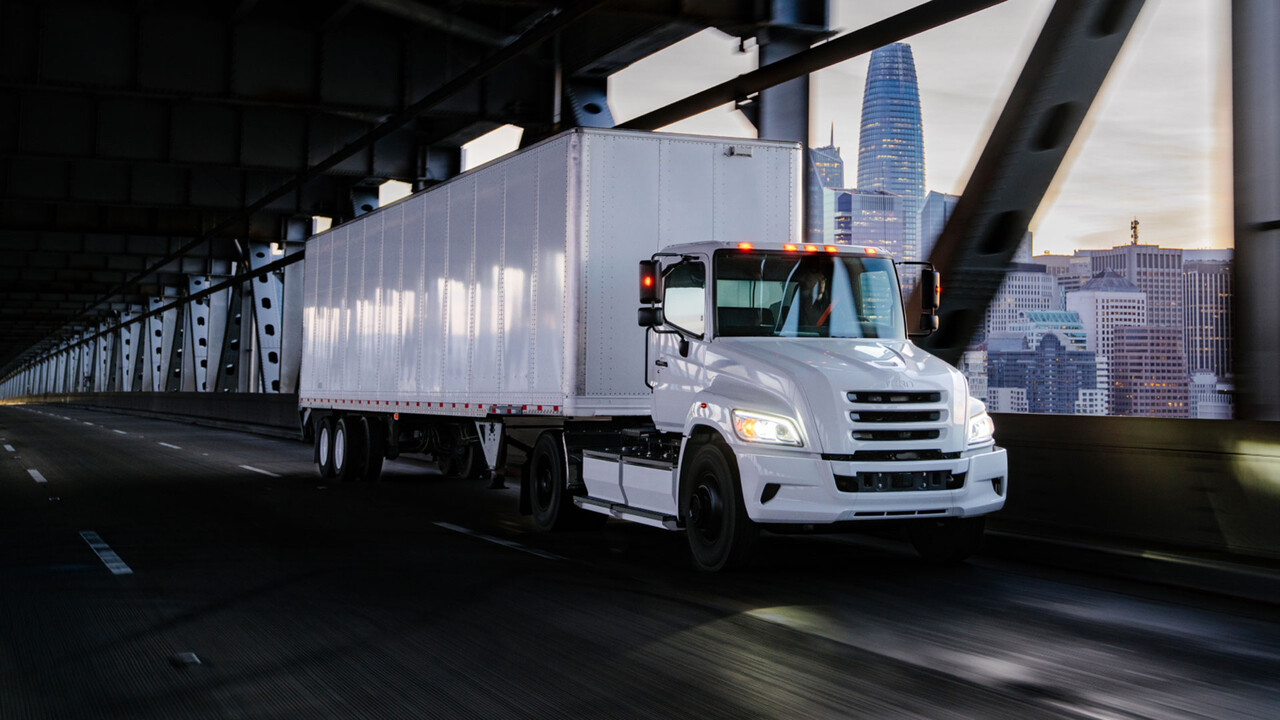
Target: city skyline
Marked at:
1156, 143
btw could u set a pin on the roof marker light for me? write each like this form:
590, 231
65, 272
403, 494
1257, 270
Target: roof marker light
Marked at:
811, 248
871, 251
745, 246
790, 247
831, 248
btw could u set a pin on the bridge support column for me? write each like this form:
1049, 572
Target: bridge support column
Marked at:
1255, 80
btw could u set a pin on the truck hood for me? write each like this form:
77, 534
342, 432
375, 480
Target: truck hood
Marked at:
851, 395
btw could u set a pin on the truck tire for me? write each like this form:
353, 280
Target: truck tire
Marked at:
720, 533
375, 444
946, 541
549, 497
463, 461
350, 451
324, 447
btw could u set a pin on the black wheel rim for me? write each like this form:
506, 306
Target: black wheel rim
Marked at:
543, 484
706, 510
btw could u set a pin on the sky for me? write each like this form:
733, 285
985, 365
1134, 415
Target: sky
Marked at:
1155, 146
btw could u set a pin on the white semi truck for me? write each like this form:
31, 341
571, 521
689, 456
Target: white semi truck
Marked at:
769, 383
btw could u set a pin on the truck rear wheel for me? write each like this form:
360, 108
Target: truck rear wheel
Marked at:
716, 523
946, 541
350, 449
549, 497
324, 447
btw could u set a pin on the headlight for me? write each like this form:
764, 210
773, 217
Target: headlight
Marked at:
768, 429
981, 429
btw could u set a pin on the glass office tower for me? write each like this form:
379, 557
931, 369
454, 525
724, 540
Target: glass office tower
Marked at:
891, 140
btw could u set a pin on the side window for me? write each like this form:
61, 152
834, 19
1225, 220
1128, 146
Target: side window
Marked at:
684, 297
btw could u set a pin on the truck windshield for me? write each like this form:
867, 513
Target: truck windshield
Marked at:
775, 294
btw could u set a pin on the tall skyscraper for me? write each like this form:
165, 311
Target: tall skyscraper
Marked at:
1155, 270
828, 163
1206, 292
891, 137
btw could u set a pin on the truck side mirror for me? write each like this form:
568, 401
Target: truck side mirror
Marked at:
930, 290
649, 316
650, 282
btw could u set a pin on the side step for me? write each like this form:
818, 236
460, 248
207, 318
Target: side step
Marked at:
623, 512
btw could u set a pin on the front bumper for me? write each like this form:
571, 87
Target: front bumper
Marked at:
806, 491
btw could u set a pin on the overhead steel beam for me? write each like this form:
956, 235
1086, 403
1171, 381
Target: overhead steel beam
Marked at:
429, 16
532, 38
898, 27
1075, 51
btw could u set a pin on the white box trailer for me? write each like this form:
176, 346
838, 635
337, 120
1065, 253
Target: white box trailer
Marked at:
768, 382
511, 288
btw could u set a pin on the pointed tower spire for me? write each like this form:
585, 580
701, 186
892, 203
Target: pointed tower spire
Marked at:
833, 135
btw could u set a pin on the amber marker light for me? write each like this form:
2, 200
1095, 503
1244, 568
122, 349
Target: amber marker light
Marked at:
648, 281
745, 246
811, 248
789, 247
871, 251
831, 248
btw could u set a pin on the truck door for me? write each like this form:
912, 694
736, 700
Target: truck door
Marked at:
677, 368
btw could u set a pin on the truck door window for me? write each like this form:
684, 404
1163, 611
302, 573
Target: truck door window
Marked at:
684, 299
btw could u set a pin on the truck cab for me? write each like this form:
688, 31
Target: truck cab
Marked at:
788, 375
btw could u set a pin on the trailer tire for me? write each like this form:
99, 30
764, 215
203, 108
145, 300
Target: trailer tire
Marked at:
350, 449
946, 541
375, 445
324, 447
719, 532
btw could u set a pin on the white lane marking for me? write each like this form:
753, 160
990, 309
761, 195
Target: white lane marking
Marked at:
264, 472
106, 554
175, 447
35, 475
86, 422
9, 448
120, 431
64, 417
499, 541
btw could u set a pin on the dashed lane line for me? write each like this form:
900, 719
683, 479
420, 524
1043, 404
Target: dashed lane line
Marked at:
120, 431
175, 447
9, 448
106, 554
259, 470
35, 475
498, 541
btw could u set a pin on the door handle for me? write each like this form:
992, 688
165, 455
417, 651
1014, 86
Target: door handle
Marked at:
660, 363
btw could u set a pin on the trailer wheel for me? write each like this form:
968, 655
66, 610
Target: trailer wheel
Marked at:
720, 533
349, 448
324, 447
375, 439
946, 541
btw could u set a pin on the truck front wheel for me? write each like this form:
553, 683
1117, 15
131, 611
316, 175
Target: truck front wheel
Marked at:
716, 523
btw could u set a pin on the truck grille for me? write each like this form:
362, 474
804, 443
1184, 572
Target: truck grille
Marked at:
900, 481
909, 419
